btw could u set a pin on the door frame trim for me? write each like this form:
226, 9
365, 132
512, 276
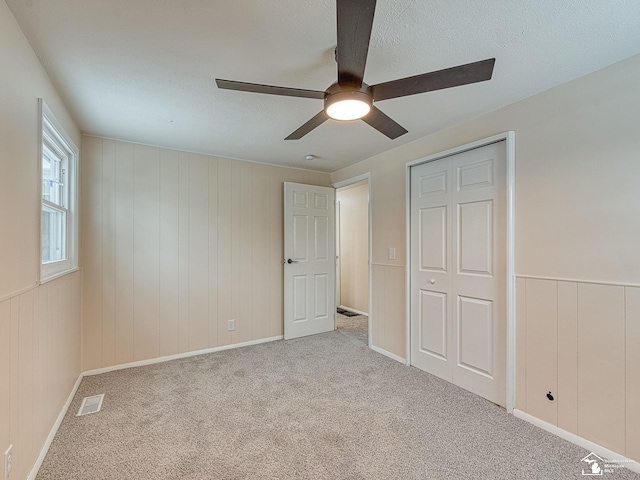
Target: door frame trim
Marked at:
345, 183
509, 138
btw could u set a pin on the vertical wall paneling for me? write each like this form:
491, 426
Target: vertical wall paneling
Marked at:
5, 370
108, 251
244, 322
25, 371
259, 293
213, 252
236, 194
177, 244
41, 373
567, 397
601, 365
55, 368
297, 176
91, 240
124, 252
146, 252
198, 252
74, 325
632, 307
542, 348
224, 250
276, 248
320, 179
521, 344
36, 394
169, 253
183, 254
39, 363
14, 381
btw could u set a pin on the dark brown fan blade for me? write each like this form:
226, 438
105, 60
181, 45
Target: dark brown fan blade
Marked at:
384, 124
355, 19
427, 82
319, 119
268, 89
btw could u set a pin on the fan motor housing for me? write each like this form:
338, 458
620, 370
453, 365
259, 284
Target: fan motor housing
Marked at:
337, 93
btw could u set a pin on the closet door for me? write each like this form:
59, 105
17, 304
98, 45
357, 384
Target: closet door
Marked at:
458, 270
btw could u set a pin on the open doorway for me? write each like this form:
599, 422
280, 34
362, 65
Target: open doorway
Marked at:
352, 259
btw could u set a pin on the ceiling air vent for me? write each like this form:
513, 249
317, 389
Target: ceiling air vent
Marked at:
91, 404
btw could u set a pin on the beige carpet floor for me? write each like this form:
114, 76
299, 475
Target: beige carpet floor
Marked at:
320, 407
356, 327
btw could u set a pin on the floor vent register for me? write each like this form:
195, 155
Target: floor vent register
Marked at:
91, 404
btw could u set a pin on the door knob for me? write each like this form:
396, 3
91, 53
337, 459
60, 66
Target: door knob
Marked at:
432, 281
292, 261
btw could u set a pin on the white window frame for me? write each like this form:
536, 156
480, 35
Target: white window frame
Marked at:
52, 130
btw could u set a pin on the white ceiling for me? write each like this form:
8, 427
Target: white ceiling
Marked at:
144, 70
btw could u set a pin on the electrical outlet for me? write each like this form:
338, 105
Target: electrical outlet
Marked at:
231, 325
7, 462
392, 253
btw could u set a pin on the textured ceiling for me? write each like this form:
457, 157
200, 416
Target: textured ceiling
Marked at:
144, 70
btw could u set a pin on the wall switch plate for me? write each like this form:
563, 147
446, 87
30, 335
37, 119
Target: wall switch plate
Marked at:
231, 325
392, 253
8, 464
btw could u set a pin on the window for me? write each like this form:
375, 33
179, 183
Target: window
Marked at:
58, 165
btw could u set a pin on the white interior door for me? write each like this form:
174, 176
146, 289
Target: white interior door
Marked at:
310, 260
458, 270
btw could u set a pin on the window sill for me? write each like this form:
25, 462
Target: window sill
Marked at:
54, 276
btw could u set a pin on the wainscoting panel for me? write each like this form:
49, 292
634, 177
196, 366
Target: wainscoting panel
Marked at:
39, 364
568, 356
581, 344
542, 349
601, 365
521, 344
175, 245
632, 304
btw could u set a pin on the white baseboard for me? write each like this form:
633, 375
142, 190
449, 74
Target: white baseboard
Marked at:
54, 430
65, 408
351, 309
151, 361
393, 356
581, 442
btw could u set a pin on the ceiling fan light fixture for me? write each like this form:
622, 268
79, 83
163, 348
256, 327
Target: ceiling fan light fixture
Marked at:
347, 104
349, 109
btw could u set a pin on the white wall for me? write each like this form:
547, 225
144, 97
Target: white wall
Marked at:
577, 171
39, 325
175, 245
354, 247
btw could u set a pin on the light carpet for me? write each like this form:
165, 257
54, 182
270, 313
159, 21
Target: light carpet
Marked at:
356, 327
320, 407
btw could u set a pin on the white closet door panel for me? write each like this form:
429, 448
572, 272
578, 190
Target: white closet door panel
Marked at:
458, 270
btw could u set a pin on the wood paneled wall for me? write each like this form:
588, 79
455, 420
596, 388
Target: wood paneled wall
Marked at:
39, 364
174, 245
580, 342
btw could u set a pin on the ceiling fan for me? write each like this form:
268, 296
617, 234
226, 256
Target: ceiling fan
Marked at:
350, 98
